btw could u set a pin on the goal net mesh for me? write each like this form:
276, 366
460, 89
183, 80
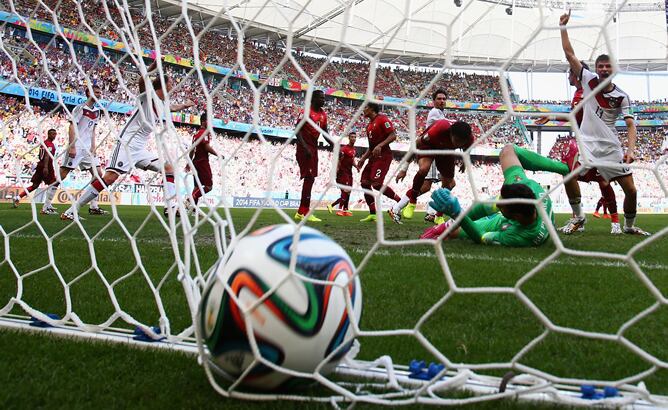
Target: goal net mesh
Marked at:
138, 275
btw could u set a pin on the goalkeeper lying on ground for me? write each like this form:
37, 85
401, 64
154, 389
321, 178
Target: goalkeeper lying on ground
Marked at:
517, 225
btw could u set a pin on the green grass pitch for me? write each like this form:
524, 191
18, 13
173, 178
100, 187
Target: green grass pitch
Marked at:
399, 284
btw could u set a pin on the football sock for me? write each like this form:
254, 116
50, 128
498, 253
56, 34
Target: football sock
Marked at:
26, 191
170, 190
416, 188
305, 203
610, 202
400, 204
196, 195
629, 220
534, 162
576, 206
50, 193
345, 200
389, 192
88, 195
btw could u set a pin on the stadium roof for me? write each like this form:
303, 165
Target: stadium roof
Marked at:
483, 33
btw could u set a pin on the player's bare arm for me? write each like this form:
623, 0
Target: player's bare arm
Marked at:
629, 156
387, 141
179, 107
210, 149
301, 141
575, 64
71, 138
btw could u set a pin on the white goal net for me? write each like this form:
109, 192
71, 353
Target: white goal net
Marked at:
567, 322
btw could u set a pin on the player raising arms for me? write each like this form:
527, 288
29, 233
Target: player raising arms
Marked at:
513, 224
130, 150
600, 141
380, 132
81, 148
608, 198
344, 176
199, 155
442, 135
44, 171
307, 153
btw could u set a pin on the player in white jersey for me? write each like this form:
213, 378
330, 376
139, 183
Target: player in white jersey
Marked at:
439, 98
600, 142
81, 149
130, 150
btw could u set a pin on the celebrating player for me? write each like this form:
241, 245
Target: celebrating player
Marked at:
307, 153
607, 193
599, 137
513, 224
344, 176
199, 155
130, 150
380, 132
442, 135
44, 171
81, 149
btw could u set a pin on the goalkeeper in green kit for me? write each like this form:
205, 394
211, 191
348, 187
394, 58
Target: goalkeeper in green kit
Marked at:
514, 224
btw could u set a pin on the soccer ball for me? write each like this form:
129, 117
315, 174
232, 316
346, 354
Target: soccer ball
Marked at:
299, 326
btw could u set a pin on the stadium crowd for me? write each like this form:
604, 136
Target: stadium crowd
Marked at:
258, 58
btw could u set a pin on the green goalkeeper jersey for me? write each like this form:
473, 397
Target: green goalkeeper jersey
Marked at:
499, 230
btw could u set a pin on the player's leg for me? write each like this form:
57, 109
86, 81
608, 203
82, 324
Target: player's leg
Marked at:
409, 199
365, 183
532, 161
445, 164
308, 168
609, 203
120, 163
630, 205
569, 161
35, 181
94, 208
91, 192
344, 200
48, 208
599, 204
204, 178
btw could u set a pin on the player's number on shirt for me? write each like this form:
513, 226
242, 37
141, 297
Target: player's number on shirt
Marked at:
378, 172
599, 112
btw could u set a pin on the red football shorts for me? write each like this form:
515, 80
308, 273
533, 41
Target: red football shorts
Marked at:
345, 179
203, 171
376, 169
39, 176
308, 165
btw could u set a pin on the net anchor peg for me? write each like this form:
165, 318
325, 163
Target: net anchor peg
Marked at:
142, 336
40, 323
419, 370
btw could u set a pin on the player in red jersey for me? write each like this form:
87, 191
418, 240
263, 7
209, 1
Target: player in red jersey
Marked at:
380, 132
199, 155
344, 176
607, 192
442, 135
307, 152
44, 171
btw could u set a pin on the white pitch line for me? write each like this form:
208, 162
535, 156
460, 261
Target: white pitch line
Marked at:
455, 256
516, 259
